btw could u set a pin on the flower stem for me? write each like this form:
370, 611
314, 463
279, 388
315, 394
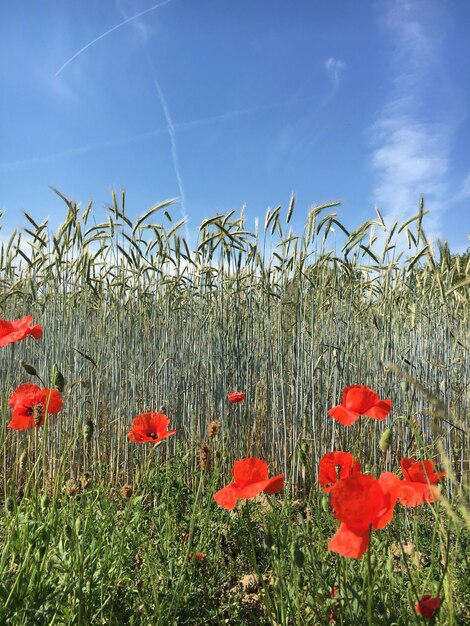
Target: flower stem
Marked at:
369, 581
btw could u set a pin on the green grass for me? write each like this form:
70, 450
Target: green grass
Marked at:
98, 558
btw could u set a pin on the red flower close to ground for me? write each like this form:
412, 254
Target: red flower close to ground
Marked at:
359, 400
150, 428
199, 556
31, 404
250, 479
10, 332
236, 396
334, 466
419, 484
428, 605
361, 502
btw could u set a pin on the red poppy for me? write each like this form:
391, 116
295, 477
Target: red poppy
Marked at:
31, 404
150, 428
236, 396
360, 400
361, 502
10, 332
198, 556
428, 605
250, 479
419, 484
334, 466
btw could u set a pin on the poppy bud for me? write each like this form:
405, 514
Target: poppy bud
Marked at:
325, 504
299, 558
269, 541
405, 386
385, 440
58, 380
29, 368
88, 429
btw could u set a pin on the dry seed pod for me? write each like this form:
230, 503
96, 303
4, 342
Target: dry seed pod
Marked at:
213, 429
126, 491
204, 456
73, 487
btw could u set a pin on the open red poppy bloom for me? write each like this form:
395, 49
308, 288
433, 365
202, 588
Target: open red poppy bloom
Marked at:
236, 396
334, 466
419, 484
31, 405
10, 332
361, 502
250, 479
150, 428
359, 400
428, 605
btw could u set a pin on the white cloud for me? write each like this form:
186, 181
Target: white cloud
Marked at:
411, 149
334, 69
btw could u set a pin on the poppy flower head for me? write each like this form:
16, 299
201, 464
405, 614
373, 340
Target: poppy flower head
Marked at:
31, 405
150, 428
427, 606
419, 484
420, 471
361, 502
250, 479
360, 400
236, 396
16, 330
334, 466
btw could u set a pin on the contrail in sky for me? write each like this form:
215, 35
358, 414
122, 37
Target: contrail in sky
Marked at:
108, 32
174, 152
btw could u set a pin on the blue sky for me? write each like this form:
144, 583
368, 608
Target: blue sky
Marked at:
224, 104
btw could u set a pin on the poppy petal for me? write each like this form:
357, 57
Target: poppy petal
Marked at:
349, 543
275, 484
343, 415
413, 494
249, 470
227, 497
358, 501
21, 422
390, 484
251, 490
52, 400
18, 396
329, 463
428, 605
359, 398
380, 410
